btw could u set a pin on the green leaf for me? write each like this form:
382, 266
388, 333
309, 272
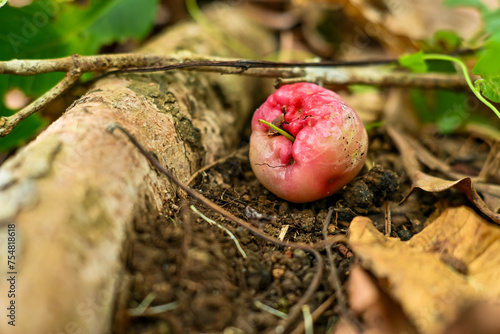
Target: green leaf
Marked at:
488, 65
54, 28
415, 62
478, 4
51, 28
447, 109
443, 41
490, 88
446, 41
492, 21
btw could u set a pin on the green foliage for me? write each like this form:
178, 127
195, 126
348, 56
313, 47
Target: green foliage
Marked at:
446, 109
489, 88
443, 41
476, 88
492, 21
487, 66
478, 4
55, 28
414, 62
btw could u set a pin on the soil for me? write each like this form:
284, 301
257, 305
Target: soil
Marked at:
195, 280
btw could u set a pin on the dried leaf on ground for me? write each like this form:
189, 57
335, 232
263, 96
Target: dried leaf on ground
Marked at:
413, 153
491, 192
481, 318
491, 167
398, 24
379, 313
453, 262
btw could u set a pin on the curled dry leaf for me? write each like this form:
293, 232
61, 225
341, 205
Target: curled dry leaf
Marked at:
453, 262
435, 184
379, 313
491, 167
413, 154
479, 318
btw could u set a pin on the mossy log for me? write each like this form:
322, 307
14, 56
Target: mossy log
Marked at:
74, 193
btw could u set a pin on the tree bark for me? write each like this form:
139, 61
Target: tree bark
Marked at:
74, 192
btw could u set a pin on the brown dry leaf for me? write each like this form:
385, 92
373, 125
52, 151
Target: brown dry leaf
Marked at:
419, 19
453, 262
480, 318
379, 314
413, 153
491, 167
398, 24
490, 192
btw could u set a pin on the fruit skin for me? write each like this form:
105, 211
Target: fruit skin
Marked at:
329, 148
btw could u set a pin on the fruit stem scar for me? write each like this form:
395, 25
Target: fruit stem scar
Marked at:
279, 130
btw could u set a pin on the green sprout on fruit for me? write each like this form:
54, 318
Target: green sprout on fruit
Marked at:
279, 130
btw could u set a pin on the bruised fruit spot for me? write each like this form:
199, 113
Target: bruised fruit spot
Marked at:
328, 150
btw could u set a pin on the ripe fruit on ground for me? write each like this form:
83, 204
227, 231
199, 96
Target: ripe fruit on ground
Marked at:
329, 147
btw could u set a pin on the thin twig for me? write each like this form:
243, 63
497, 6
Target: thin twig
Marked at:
135, 62
353, 72
8, 123
384, 77
327, 73
387, 219
316, 314
105, 62
334, 275
285, 325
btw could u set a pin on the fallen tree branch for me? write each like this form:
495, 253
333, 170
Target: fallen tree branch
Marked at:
75, 193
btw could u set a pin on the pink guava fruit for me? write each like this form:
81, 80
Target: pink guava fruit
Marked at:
328, 151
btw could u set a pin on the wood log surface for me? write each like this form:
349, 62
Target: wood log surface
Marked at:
74, 193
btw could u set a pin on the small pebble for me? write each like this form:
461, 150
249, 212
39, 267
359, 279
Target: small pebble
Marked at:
278, 272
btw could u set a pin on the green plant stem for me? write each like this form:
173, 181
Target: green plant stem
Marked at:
475, 89
280, 131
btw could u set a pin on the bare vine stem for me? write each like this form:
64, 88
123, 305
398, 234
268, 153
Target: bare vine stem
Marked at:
335, 282
326, 73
